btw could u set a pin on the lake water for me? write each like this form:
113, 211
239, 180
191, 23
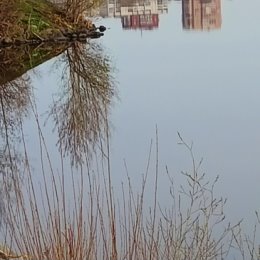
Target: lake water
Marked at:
201, 82
184, 67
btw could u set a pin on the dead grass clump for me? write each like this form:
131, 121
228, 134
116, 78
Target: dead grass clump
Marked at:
9, 19
78, 9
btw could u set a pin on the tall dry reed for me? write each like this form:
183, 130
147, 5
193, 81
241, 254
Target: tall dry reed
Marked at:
62, 214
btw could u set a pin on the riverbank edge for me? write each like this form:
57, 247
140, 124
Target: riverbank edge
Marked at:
65, 31
80, 36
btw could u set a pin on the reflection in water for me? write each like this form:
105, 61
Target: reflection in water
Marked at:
36, 223
135, 14
16, 61
144, 14
15, 91
201, 14
15, 95
14, 103
81, 112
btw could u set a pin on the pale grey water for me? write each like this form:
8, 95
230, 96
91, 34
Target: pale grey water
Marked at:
202, 84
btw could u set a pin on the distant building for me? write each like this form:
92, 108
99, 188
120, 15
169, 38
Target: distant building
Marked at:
140, 21
135, 14
201, 14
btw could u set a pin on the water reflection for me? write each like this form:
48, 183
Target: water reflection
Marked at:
16, 61
81, 111
15, 95
16, 92
201, 14
14, 107
134, 14
144, 14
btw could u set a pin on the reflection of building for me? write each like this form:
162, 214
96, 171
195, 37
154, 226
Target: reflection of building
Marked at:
135, 14
201, 14
144, 21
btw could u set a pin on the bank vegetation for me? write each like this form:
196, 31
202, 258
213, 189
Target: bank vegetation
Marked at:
41, 19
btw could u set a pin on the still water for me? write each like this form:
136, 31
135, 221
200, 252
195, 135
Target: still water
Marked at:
194, 76
176, 66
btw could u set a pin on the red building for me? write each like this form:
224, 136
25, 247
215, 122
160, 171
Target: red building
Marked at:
201, 14
140, 21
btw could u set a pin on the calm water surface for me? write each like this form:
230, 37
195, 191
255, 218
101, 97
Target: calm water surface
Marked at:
198, 79
192, 71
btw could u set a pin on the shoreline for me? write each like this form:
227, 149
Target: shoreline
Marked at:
40, 21
80, 36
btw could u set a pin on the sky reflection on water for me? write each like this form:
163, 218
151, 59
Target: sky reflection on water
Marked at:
204, 84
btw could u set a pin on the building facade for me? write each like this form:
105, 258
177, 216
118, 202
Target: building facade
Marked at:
201, 14
134, 14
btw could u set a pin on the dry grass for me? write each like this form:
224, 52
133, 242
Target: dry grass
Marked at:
76, 10
9, 19
91, 222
